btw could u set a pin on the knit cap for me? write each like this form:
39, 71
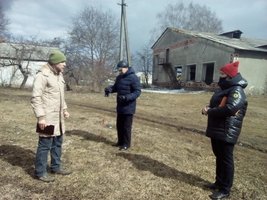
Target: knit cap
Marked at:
230, 69
56, 57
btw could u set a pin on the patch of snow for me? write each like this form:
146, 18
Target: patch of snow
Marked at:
174, 91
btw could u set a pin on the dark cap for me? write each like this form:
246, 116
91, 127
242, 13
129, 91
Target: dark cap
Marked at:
122, 64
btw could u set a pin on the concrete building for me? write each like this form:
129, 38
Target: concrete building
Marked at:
14, 55
190, 59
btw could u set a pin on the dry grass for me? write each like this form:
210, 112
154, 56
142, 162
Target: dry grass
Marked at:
170, 157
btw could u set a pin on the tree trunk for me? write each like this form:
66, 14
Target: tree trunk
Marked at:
12, 77
25, 78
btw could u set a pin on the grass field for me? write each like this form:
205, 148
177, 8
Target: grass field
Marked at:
170, 156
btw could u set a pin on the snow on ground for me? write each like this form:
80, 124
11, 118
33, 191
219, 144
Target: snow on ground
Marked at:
169, 91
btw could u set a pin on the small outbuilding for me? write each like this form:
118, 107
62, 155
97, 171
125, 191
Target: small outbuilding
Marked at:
19, 63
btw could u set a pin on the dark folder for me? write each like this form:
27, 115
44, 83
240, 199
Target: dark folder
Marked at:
48, 130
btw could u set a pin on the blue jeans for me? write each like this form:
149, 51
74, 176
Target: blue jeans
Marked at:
46, 145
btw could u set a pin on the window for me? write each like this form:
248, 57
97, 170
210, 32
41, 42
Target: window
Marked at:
167, 55
178, 71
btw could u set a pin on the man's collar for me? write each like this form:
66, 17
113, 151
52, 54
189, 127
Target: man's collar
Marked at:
53, 69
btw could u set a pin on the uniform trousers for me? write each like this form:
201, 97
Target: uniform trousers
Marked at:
124, 129
223, 152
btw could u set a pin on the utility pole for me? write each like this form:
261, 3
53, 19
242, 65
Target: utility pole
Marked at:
124, 40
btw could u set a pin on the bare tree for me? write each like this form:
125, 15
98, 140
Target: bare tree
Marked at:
94, 40
76, 65
3, 22
143, 61
189, 17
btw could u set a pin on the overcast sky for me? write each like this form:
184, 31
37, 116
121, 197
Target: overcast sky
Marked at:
47, 19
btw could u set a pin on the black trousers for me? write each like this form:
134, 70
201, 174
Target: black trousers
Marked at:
124, 129
224, 164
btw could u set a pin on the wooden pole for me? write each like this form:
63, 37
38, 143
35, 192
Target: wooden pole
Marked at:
124, 40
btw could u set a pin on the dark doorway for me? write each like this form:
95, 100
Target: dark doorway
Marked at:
191, 72
208, 73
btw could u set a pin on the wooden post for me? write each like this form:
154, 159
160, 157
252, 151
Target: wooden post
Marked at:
124, 40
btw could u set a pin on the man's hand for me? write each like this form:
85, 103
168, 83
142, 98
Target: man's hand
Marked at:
66, 114
122, 98
41, 123
204, 110
108, 90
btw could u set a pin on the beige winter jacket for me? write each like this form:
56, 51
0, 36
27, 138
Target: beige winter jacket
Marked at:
48, 99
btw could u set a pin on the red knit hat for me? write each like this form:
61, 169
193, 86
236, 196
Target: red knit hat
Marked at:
230, 69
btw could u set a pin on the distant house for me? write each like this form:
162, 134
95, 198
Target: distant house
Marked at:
191, 59
29, 57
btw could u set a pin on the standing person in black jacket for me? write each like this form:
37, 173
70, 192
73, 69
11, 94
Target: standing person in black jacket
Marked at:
225, 113
128, 89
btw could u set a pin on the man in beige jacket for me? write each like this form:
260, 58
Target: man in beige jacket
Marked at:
49, 106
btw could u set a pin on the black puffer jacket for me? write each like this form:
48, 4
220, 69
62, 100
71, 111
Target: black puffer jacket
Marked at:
225, 121
129, 86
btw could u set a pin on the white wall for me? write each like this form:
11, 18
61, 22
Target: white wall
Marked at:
6, 73
255, 72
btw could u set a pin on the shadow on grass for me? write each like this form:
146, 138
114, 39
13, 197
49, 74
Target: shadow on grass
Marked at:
89, 136
159, 169
18, 156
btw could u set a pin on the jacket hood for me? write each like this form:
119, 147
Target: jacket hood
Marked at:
238, 80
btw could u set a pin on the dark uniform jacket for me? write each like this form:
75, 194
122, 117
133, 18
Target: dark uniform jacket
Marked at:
127, 85
228, 107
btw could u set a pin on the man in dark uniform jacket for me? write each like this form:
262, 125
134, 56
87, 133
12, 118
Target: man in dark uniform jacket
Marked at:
128, 88
225, 113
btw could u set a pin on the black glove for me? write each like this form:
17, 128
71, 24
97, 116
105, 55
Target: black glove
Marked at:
122, 98
107, 91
